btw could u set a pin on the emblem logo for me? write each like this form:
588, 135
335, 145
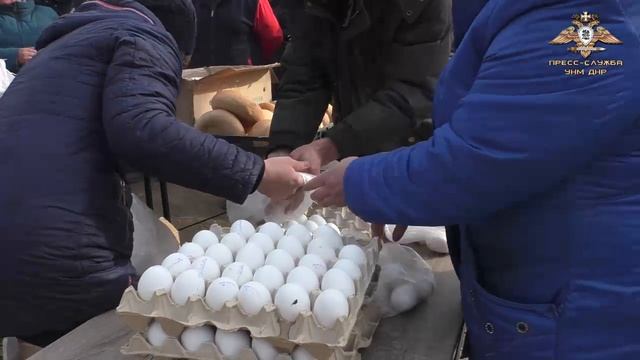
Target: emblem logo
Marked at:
585, 33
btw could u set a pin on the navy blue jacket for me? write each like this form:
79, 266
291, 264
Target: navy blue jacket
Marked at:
101, 90
537, 156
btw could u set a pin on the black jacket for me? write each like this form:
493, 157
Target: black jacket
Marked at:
379, 60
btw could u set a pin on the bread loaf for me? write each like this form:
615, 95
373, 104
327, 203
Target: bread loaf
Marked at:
267, 115
271, 106
261, 129
329, 111
220, 122
247, 111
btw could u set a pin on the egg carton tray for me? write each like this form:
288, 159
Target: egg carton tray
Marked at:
360, 338
343, 218
267, 323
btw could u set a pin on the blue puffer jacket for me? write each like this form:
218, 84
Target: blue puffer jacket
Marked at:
537, 156
101, 90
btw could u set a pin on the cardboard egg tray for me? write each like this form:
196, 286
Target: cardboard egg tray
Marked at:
267, 323
360, 338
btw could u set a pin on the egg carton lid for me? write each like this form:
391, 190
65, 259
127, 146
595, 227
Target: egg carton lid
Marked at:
267, 323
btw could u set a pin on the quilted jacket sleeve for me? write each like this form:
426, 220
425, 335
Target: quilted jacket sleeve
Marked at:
523, 128
140, 91
11, 57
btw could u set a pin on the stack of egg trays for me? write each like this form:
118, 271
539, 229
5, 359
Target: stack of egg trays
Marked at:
267, 323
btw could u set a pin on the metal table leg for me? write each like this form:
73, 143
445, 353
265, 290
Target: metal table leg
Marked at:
148, 193
164, 196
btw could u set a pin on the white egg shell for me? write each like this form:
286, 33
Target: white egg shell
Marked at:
321, 248
330, 306
232, 343
265, 242
234, 242
311, 226
318, 219
292, 246
291, 223
332, 237
272, 229
263, 349
304, 277
208, 268
244, 228
301, 233
349, 267
194, 337
339, 280
188, 285
335, 227
291, 300
270, 277
155, 278
205, 239
176, 263
302, 219
281, 260
301, 353
252, 297
220, 292
239, 272
252, 255
156, 334
193, 251
355, 254
404, 297
315, 263
221, 254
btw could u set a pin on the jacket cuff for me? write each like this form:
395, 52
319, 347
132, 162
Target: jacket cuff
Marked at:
11, 57
346, 140
259, 178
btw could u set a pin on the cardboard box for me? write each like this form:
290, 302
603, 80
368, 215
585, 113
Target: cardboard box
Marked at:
199, 86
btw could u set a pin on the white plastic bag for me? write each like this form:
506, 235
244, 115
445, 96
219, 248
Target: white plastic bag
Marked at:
6, 77
435, 238
405, 280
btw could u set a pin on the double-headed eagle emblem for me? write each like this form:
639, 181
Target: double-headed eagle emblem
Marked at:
586, 34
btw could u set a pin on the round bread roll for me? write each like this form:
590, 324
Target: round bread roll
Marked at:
329, 111
267, 115
271, 106
261, 129
220, 122
326, 121
248, 112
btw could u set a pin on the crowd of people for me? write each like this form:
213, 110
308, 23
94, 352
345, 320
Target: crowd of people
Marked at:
525, 144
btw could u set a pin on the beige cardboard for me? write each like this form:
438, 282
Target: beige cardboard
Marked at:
199, 86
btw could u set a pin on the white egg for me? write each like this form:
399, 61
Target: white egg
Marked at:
336, 228
355, 254
302, 219
315, 263
301, 354
221, 254
330, 306
234, 242
220, 292
239, 272
272, 229
270, 277
281, 260
311, 226
156, 334
263, 349
292, 246
304, 277
176, 263
349, 267
291, 223
265, 242
338, 280
244, 228
232, 343
193, 251
291, 300
188, 285
208, 268
404, 297
205, 239
330, 235
301, 233
252, 297
194, 337
318, 219
252, 255
154, 279
321, 248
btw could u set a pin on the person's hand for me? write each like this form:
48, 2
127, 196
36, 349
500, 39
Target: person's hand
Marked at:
26, 54
278, 153
329, 186
281, 179
377, 230
317, 154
